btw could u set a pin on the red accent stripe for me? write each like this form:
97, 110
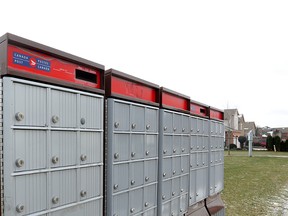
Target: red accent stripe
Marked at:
218, 115
59, 69
133, 90
199, 110
174, 101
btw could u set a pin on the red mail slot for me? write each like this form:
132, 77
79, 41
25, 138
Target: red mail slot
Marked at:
124, 86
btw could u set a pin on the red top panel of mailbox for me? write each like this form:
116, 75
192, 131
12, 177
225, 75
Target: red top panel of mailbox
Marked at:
199, 109
31, 60
174, 100
216, 114
122, 85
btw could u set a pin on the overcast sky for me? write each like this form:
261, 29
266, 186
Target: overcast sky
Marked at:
227, 54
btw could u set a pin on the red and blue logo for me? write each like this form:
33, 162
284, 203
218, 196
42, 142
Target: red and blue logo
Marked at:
29, 61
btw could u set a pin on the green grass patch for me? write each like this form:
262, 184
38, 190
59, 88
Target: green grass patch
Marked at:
252, 182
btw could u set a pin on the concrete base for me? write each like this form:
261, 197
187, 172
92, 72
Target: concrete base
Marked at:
198, 209
215, 205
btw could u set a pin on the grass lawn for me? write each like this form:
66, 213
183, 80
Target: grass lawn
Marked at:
256, 185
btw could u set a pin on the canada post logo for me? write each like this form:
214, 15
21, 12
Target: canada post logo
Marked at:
29, 61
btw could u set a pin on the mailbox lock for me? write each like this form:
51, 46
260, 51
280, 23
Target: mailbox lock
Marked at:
55, 200
19, 163
172, 214
164, 174
197, 164
55, 119
203, 163
19, 116
165, 128
83, 157
83, 193
198, 130
211, 161
147, 153
197, 194
164, 151
146, 179
133, 154
174, 128
82, 121
146, 204
148, 127
132, 182
183, 129
191, 129
173, 193
182, 190
191, 147
191, 165
20, 208
55, 159
203, 147
174, 150
181, 210
133, 126
132, 210
182, 170
163, 197
211, 188
197, 147
116, 124
116, 155
183, 149
174, 171
115, 186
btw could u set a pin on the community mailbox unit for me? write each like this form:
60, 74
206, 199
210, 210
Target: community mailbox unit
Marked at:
132, 145
72, 146
214, 203
174, 148
199, 154
52, 125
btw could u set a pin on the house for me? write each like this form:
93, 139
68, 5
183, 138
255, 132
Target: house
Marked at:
248, 126
232, 123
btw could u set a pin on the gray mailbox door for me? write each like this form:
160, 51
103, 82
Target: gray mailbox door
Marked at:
53, 155
199, 159
132, 161
216, 165
174, 159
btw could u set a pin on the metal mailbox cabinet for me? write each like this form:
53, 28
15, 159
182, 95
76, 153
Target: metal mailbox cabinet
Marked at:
52, 112
174, 145
199, 155
132, 145
216, 165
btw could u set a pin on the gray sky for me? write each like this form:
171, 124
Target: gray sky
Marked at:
222, 53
